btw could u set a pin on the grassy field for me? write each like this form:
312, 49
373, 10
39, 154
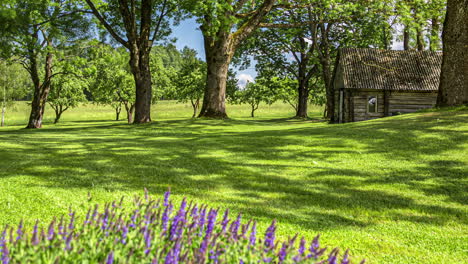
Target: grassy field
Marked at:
392, 190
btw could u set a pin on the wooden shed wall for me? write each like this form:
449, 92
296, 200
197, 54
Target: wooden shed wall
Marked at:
408, 102
355, 103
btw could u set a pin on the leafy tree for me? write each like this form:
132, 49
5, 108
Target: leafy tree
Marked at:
37, 30
453, 89
66, 92
137, 25
190, 81
163, 82
225, 25
255, 93
14, 84
111, 82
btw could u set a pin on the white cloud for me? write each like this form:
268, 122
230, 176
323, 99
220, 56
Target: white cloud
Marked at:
243, 79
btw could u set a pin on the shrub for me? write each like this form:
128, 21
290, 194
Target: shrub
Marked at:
156, 232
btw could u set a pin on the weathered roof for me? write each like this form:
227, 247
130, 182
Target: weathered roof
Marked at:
390, 69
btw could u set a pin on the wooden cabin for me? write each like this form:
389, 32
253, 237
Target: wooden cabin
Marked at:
372, 83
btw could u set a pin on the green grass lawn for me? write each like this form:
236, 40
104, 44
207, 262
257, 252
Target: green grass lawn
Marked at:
393, 190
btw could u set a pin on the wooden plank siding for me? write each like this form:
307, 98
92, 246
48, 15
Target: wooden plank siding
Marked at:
408, 102
355, 103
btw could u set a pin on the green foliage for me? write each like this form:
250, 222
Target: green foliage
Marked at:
67, 91
15, 83
110, 79
255, 93
190, 81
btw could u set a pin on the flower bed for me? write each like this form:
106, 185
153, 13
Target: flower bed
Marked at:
154, 231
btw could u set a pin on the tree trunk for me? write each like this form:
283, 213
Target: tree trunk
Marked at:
140, 66
118, 109
303, 99
453, 88
419, 40
129, 109
195, 105
406, 37
58, 114
41, 91
327, 79
3, 116
218, 56
252, 113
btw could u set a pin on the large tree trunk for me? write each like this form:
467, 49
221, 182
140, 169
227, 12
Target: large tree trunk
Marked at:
218, 56
140, 65
453, 88
41, 91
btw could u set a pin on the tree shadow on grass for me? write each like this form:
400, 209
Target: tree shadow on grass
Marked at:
264, 170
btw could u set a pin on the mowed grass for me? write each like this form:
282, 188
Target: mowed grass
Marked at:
393, 190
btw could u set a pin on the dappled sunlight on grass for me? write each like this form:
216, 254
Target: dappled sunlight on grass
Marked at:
378, 187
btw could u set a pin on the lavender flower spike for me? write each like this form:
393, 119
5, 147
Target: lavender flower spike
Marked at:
270, 236
110, 258
253, 235
19, 231
4, 258
166, 197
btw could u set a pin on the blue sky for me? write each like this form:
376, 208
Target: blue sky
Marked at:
188, 34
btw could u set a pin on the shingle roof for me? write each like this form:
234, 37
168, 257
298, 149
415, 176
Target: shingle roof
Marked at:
390, 69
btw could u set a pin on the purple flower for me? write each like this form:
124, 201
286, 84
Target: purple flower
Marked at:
147, 242
209, 230
201, 221
19, 231
300, 251
166, 197
124, 234
4, 256
282, 254
211, 221
270, 236
314, 249
225, 220
253, 235
51, 230
235, 226
110, 258
68, 241
168, 259
165, 216
35, 235
179, 218
71, 226
133, 218
88, 214
345, 257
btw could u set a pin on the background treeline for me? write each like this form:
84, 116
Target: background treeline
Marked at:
119, 52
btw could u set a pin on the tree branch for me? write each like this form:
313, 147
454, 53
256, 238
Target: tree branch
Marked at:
106, 25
